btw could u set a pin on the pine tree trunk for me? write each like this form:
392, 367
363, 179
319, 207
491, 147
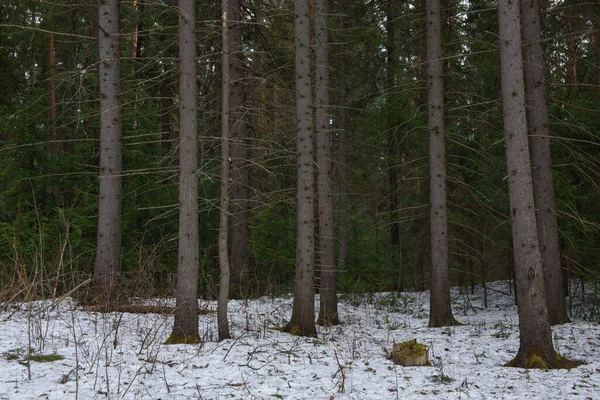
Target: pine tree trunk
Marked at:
543, 186
535, 334
440, 311
302, 321
185, 327
107, 269
328, 314
240, 190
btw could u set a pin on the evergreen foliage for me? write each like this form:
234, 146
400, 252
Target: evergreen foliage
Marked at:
48, 199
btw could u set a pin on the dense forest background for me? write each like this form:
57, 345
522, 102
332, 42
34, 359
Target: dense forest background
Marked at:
49, 143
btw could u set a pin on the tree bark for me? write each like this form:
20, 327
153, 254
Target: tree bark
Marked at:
302, 321
53, 146
223, 324
543, 186
392, 142
440, 313
185, 327
328, 311
341, 127
107, 270
536, 349
240, 191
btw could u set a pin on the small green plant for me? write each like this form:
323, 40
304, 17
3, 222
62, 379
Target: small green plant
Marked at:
16, 354
503, 330
447, 331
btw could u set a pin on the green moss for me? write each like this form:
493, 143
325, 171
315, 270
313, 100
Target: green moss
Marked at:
561, 362
535, 360
410, 350
183, 339
294, 330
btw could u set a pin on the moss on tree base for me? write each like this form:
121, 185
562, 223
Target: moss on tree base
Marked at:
183, 339
296, 330
534, 359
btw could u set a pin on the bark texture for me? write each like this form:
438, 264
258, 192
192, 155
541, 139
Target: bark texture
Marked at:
535, 339
240, 190
107, 269
341, 128
302, 321
440, 313
328, 311
223, 324
185, 328
543, 186
393, 145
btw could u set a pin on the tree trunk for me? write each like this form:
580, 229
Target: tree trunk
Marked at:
536, 349
53, 146
543, 186
341, 127
303, 313
107, 271
328, 312
223, 324
240, 232
440, 313
392, 143
185, 327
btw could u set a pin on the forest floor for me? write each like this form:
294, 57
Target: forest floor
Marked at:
74, 354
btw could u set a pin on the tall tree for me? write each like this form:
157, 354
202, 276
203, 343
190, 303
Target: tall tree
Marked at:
223, 324
240, 190
440, 313
341, 129
107, 268
52, 148
328, 312
543, 186
535, 340
185, 327
392, 139
302, 321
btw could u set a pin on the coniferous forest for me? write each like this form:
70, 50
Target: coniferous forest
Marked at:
237, 149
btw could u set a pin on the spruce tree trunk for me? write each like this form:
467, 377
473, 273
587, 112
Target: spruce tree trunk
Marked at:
185, 328
302, 321
328, 313
392, 142
107, 268
535, 337
240, 190
53, 146
341, 127
543, 186
223, 324
440, 313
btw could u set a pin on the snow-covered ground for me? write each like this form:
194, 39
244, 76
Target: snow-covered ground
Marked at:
122, 356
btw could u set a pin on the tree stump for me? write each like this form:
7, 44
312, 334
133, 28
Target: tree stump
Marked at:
410, 354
